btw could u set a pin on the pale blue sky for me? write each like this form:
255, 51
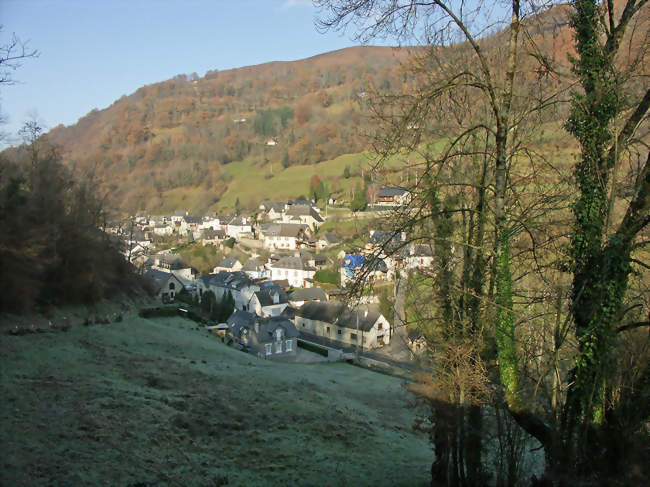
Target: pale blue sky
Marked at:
94, 51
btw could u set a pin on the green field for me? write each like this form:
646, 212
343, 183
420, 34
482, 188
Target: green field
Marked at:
160, 402
252, 183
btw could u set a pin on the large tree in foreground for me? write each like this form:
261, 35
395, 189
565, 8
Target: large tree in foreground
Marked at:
583, 354
609, 119
475, 93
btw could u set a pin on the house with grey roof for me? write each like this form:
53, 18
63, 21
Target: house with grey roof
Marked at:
178, 216
167, 261
389, 247
165, 284
314, 260
272, 337
418, 256
273, 210
289, 236
336, 321
268, 301
301, 296
212, 237
298, 272
416, 340
305, 214
393, 196
255, 269
329, 239
229, 264
239, 226
240, 286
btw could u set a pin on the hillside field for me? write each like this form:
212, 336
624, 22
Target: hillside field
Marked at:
161, 402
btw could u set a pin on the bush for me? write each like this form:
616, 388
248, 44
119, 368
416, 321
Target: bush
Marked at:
313, 348
230, 243
328, 276
158, 312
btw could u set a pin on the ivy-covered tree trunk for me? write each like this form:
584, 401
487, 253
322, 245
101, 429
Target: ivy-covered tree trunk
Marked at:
601, 261
505, 332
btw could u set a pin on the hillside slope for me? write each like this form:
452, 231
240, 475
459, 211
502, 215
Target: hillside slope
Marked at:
194, 142
180, 134
157, 402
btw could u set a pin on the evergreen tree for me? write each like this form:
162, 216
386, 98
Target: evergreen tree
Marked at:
360, 200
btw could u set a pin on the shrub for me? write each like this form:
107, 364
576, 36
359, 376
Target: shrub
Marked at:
313, 348
328, 276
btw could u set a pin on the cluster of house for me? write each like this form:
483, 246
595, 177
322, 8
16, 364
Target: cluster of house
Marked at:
274, 299
277, 226
384, 254
266, 319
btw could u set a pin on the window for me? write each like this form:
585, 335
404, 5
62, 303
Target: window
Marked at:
278, 347
243, 336
339, 332
172, 285
289, 345
379, 326
327, 330
279, 335
267, 348
353, 336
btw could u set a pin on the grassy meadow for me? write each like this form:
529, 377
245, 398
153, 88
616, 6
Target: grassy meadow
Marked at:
161, 402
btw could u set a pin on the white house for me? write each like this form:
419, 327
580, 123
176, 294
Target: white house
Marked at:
229, 264
272, 209
255, 269
419, 256
288, 236
178, 216
305, 214
238, 226
163, 229
270, 300
240, 286
302, 296
327, 240
335, 321
191, 223
298, 272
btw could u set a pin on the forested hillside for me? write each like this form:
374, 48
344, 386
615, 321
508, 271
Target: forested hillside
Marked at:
180, 133
169, 145
202, 142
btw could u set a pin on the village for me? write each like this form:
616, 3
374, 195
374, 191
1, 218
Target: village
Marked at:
269, 285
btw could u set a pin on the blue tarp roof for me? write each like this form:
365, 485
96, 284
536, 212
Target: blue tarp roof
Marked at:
353, 261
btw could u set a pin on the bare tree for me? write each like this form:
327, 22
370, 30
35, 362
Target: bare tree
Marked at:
483, 201
12, 55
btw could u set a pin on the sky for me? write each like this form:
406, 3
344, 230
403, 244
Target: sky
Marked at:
94, 51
